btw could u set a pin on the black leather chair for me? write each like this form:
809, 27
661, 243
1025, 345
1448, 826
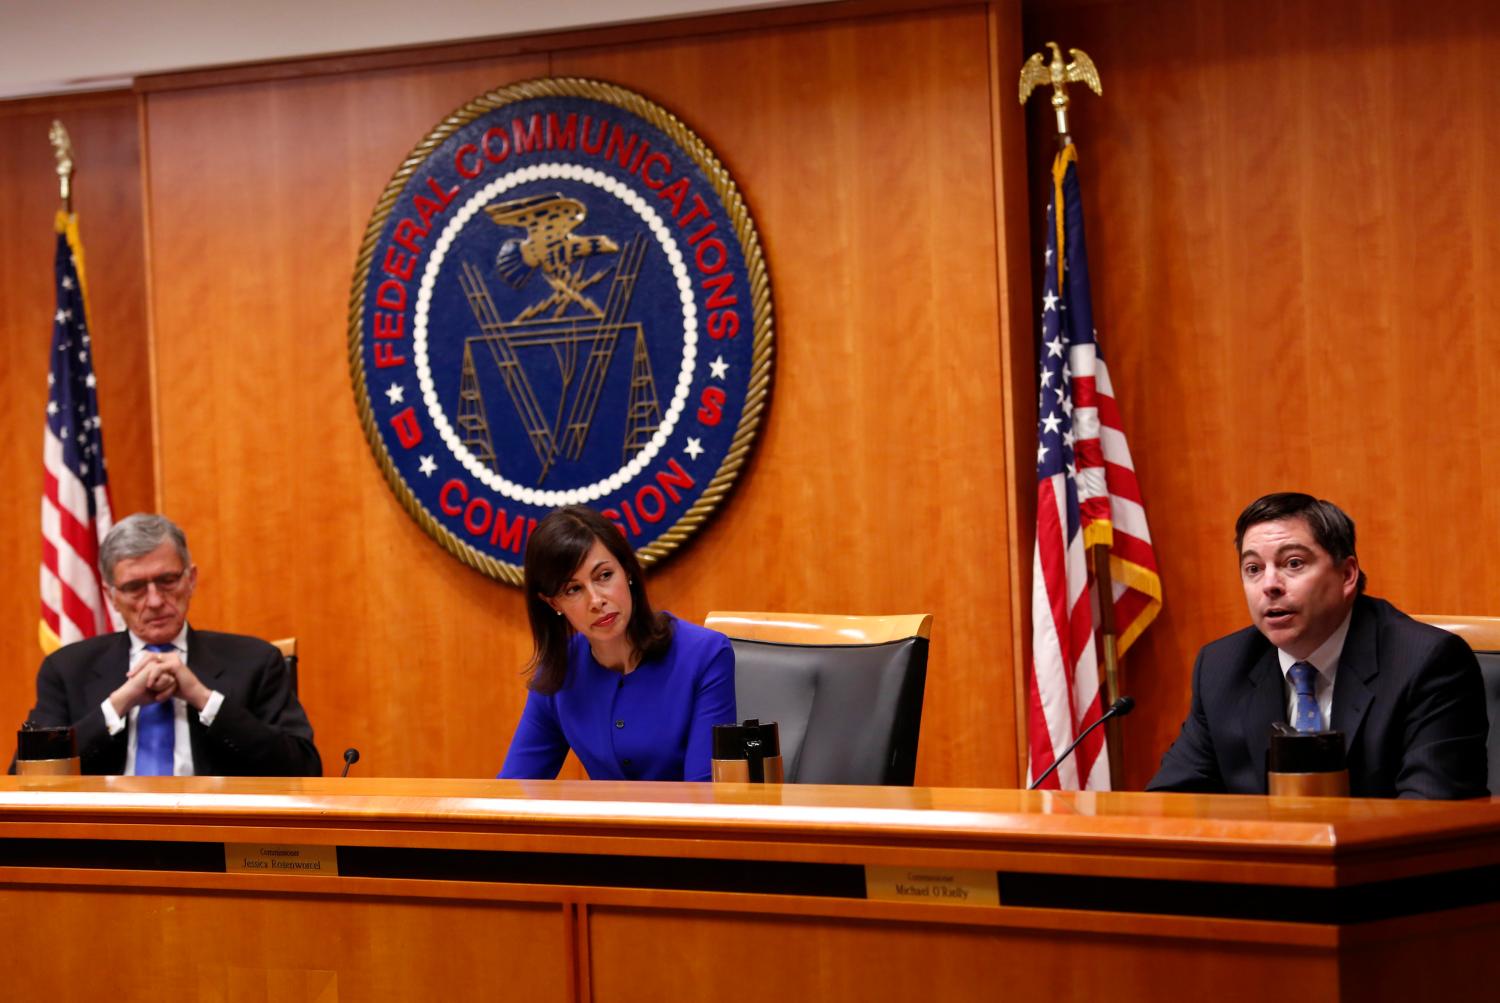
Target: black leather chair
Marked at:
1483, 635
845, 691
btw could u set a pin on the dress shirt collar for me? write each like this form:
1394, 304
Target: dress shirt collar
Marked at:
179, 642
1326, 658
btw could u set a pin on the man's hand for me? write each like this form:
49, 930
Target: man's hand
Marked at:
184, 682
148, 681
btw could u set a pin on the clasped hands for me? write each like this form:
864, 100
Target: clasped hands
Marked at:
158, 676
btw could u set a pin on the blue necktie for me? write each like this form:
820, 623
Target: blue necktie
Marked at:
1305, 716
155, 733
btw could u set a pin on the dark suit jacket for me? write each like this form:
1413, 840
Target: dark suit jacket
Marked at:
260, 729
1408, 697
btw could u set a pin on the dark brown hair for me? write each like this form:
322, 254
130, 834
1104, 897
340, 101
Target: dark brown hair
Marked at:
556, 548
1331, 527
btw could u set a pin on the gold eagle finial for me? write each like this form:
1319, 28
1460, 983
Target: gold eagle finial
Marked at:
62, 148
1038, 70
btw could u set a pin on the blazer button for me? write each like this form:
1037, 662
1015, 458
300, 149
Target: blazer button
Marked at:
620, 724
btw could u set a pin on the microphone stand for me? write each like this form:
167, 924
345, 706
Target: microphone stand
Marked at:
1119, 708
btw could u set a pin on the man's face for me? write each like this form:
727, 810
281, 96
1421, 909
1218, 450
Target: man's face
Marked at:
152, 593
1297, 594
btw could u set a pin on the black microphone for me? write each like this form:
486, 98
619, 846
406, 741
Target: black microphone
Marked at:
1119, 708
351, 756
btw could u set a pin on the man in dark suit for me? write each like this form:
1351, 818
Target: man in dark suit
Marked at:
1321, 655
162, 698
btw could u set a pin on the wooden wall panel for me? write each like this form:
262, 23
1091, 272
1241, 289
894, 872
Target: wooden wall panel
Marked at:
260, 197
879, 483
1291, 227
107, 198
1018, 354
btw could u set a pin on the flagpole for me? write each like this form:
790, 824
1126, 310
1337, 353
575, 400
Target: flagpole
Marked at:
1057, 73
1105, 587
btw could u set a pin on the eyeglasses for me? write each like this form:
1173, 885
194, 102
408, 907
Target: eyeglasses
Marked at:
136, 588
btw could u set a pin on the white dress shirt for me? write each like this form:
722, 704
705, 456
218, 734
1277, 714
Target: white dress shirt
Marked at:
182, 746
1326, 660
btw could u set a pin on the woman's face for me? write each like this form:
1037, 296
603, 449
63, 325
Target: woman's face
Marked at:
596, 600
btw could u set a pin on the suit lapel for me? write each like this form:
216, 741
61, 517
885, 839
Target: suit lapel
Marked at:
107, 672
208, 670
1265, 704
202, 662
1354, 684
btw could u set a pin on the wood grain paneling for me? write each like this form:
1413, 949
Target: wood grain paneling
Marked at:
1017, 353
107, 198
640, 956
878, 485
188, 945
260, 196
431, 901
1293, 249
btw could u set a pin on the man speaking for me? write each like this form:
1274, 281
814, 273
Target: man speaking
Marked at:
165, 699
1322, 655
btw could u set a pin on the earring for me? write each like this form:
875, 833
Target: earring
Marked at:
558, 612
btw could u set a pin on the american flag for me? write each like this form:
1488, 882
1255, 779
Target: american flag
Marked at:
75, 501
1086, 494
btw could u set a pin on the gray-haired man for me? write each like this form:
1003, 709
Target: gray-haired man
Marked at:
163, 698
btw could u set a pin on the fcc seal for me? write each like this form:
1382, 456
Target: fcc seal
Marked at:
560, 299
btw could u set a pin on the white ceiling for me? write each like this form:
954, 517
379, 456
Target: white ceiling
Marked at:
52, 46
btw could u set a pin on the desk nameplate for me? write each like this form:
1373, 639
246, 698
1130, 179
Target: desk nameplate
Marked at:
280, 859
932, 886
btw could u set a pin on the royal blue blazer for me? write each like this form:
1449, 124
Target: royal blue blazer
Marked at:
654, 724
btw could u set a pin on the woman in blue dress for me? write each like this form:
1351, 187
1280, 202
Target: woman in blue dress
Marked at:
634, 692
